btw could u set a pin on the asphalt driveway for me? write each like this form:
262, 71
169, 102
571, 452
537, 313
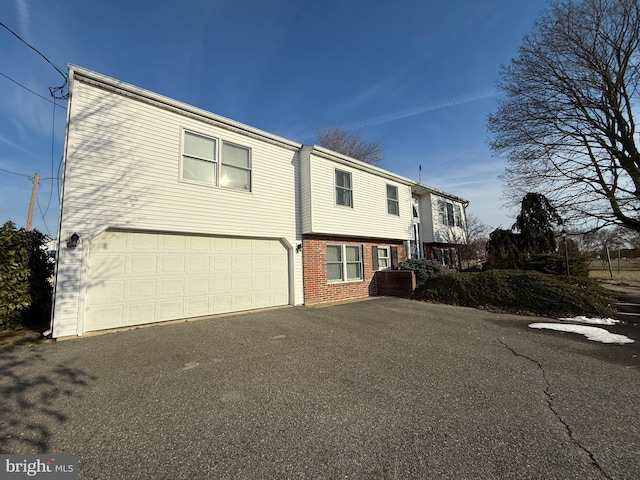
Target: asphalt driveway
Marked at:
384, 388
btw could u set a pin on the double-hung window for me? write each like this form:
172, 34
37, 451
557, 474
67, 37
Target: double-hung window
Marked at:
235, 167
344, 190
393, 206
449, 214
199, 160
344, 263
383, 258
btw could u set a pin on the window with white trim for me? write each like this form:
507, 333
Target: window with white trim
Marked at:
449, 214
384, 258
344, 190
199, 160
344, 263
393, 206
235, 169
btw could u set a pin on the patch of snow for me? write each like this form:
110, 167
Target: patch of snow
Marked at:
592, 333
592, 321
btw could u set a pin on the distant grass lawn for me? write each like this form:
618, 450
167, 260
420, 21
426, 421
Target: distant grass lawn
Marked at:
625, 272
520, 292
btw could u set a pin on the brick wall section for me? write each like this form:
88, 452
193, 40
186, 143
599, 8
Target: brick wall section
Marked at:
314, 263
396, 283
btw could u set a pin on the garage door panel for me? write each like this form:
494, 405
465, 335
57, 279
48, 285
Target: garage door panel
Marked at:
171, 264
136, 278
197, 286
199, 264
141, 288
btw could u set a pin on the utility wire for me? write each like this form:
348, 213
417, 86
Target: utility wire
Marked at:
14, 173
53, 90
29, 90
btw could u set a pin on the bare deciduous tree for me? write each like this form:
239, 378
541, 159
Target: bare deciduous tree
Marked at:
566, 121
475, 247
350, 143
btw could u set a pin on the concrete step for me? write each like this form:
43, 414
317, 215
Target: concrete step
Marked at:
628, 317
628, 307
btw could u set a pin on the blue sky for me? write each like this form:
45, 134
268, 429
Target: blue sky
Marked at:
417, 76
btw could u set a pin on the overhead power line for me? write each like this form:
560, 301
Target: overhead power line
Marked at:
29, 90
53, 90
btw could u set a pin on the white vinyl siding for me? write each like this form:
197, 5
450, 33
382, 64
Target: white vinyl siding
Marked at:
368, 216
445, 224
344, 263
122, 170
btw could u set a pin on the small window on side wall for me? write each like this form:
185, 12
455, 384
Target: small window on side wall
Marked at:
344, 190
393, 206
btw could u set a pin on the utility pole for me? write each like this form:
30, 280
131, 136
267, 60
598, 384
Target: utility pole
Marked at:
32, 203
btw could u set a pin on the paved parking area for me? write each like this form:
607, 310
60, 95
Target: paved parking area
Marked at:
384, 388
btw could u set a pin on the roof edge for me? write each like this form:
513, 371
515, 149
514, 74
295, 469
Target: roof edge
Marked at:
98, 79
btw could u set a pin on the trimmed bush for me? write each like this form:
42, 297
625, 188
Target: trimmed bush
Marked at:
424, 269
25, 291
519, 292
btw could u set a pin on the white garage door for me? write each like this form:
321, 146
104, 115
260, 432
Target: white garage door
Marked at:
136, 278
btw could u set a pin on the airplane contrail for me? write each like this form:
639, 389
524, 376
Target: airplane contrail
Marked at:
429, 107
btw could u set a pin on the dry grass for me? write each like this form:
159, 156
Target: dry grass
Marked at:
625, 272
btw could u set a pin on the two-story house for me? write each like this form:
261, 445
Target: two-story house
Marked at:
169, 212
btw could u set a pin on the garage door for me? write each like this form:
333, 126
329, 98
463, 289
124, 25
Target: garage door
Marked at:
136, 278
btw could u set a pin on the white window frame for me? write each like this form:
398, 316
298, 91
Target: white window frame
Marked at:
393, 201
387, 257
344, 262
249, 169
218, 161
450, 214
202, 159
348, 189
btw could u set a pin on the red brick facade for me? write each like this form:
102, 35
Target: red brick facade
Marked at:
314, 261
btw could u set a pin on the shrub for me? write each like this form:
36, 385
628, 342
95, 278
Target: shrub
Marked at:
519, 291
556, 265
25, 291
424, 269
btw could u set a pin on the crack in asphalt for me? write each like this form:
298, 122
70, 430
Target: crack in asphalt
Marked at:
549, 399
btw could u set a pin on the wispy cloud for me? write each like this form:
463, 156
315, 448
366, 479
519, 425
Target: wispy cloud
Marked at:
24, 17
429, 107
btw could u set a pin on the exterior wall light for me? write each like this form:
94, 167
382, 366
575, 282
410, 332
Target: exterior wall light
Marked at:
73, 240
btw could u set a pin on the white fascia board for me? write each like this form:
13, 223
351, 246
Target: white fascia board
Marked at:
360, 165
118, 86
421, 189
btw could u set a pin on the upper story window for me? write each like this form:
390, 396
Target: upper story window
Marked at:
235, 171
344, 263
393, 206
199, 160
449, 214
344, 190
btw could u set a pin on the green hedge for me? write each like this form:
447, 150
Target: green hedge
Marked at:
518, 291
25, 272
